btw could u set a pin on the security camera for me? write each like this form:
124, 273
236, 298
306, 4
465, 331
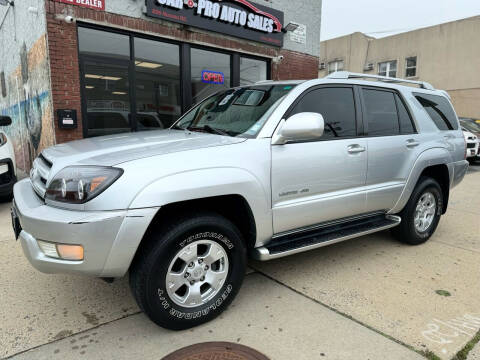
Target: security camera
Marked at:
278, 59
69, 19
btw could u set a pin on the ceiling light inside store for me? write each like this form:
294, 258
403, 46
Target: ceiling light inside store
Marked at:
89, 87
113, 78
102, 77
148, 65
119, 93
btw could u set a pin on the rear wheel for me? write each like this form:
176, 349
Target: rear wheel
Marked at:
191, 271
422, 213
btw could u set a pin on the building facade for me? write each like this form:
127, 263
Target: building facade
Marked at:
72, 69
445, 55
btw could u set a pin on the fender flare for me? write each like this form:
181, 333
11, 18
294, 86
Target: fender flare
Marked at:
429, 157
211, 182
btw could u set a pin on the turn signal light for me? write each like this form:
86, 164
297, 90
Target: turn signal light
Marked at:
70, 252
61, 251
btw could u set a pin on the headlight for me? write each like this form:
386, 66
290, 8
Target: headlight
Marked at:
79, 184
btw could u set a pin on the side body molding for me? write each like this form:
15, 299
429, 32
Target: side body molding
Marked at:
430, 157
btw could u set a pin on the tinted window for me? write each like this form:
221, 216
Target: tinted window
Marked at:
440, 111
96, 42
381, 112
337, 107
210, 73
252, 70
406, 126
157, 81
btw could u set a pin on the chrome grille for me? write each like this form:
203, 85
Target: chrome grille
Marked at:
39, 175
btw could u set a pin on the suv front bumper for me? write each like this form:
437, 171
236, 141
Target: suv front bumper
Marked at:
109, 238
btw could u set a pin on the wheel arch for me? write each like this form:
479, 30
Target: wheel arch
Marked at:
434, 163
233, 207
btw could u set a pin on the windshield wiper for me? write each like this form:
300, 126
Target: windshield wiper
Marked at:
209, 129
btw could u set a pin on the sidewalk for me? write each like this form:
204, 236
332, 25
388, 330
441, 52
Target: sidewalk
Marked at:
267, 316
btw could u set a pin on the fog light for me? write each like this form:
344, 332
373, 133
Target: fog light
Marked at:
61, 251
48, 249
70, 252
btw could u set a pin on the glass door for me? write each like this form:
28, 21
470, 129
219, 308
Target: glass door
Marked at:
106, 96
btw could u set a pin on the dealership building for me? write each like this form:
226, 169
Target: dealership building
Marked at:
72, 69
445, 55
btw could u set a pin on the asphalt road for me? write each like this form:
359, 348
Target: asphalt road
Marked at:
368, 298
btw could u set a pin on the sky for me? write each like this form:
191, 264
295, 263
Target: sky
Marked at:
379, 18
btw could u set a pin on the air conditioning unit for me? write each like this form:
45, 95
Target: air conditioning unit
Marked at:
322, 66
368, 67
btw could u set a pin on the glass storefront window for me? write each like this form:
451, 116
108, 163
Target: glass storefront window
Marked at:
107, 101
157, 84
102, 43
210, 73
141, 91
252, 70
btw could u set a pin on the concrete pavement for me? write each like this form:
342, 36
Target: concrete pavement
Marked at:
291, 308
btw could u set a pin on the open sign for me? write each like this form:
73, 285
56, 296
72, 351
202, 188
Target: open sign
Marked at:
213, 77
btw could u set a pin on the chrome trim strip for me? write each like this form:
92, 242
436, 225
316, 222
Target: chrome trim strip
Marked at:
263, 254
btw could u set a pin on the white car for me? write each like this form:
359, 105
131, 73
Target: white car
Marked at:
7, 162
472, 143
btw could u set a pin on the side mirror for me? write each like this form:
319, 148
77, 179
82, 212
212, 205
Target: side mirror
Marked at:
5, 121
298, 127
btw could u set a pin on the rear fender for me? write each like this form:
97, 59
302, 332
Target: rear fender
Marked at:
430, 157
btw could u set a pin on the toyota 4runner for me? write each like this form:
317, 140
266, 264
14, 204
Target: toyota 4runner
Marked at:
268, 170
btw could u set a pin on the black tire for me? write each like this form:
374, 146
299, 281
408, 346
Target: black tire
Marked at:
407, 232
148, 273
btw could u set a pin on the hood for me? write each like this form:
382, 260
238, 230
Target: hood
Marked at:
116, 149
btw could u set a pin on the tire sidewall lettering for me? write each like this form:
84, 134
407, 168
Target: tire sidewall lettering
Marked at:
207, 235
195, 314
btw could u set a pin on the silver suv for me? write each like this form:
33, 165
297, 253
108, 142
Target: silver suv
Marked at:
268, 170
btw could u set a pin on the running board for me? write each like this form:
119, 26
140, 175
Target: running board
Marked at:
308, 240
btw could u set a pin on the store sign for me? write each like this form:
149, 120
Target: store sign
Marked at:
91, 4
213, 77
240, 18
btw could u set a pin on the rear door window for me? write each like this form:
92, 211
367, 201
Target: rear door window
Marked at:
439, 110
381, 112
336, 105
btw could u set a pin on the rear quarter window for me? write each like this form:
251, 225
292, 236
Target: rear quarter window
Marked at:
439, 110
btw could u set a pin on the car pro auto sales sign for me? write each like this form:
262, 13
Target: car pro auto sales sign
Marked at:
91, 4
240, 18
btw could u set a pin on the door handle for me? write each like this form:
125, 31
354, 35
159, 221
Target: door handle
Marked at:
355, 149
448, 137
412, 143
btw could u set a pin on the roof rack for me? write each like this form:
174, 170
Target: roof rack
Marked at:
349, 75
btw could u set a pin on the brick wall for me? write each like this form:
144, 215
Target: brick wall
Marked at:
65, 75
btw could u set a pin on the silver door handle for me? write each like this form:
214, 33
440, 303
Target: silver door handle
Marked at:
412, 143
354, 149
448, 137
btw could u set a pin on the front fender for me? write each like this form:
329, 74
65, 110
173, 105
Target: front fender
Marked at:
210, 182
430, 157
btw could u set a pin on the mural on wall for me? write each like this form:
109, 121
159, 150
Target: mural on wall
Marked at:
28, 103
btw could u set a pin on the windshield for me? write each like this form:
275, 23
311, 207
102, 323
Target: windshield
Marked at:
470, 125
235, 112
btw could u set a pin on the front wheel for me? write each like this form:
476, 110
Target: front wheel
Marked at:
191, 271
422, 213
